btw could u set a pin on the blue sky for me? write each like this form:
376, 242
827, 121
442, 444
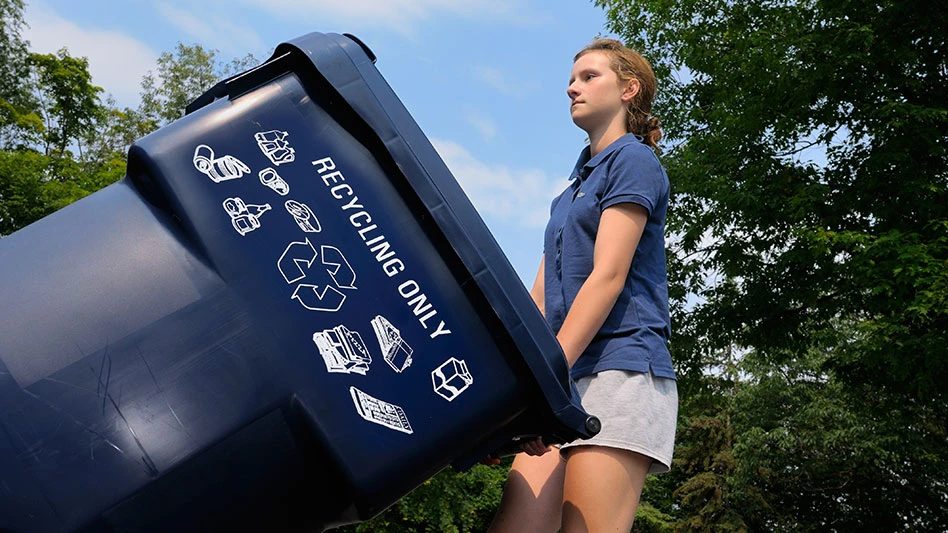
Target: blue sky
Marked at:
485, 79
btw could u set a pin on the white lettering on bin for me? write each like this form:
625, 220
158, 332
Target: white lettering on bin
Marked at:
361, 220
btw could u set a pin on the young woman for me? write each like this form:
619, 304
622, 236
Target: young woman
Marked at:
602, 287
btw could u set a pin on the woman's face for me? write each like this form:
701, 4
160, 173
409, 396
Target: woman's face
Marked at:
595, 94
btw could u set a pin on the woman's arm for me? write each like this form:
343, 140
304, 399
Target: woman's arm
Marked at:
537, 291
620, 228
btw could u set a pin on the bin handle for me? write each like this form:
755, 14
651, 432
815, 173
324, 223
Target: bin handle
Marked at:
233, 86
593, 426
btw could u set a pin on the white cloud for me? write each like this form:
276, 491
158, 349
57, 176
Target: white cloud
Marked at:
117, 61
400, 16
484, 124
503, 82
215, 32
518, 195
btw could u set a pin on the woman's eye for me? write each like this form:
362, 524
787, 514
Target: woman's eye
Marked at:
590, 76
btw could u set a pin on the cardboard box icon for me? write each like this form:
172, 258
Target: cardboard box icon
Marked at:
451, 379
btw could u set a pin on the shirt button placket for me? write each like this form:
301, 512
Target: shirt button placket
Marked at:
559, 249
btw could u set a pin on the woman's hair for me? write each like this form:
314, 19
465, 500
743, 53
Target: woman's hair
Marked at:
629, 65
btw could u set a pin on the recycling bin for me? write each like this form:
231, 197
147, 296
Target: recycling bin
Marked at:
284, 318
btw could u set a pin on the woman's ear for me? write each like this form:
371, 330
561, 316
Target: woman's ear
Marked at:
631, 89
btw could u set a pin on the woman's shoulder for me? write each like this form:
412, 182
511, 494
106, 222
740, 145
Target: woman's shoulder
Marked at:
637, 159
637, 151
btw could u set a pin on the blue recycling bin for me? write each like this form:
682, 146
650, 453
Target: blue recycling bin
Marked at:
285, 318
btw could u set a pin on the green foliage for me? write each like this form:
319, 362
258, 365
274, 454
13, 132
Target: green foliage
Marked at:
33, 185
48, 108
701, 492
13, 50
116, 130
451, 502
182, 76
810, 172
67, 100
831, 457
24, 195
18, 123
648, 519
58, 140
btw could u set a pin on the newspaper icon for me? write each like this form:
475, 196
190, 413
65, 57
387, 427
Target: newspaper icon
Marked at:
395, 351
380, 411
343, 350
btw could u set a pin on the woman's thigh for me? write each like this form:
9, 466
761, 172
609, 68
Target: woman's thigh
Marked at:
601, 490
533, 495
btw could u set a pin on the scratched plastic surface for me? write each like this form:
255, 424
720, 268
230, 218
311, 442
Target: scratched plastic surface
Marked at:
285, 317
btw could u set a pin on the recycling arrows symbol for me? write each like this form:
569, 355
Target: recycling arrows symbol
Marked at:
299, 262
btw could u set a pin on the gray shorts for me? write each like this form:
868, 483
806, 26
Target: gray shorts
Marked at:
638, 411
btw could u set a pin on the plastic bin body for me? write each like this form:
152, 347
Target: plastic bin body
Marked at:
286, 317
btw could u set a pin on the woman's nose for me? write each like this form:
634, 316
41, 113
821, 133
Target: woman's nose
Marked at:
571, 90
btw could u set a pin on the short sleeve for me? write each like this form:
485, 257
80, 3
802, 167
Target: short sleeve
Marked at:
634, 176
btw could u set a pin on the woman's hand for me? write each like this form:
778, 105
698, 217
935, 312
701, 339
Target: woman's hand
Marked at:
535, 447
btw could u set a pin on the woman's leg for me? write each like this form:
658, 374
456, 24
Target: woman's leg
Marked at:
533, 495
601, 489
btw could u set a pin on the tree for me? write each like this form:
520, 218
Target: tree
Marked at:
18, 122
809, 226
809, 151
828, 456
183, 76
68, 102
451, 501
58, 140
115, 131
48, 109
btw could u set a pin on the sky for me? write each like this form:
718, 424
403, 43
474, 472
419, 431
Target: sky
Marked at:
484, 79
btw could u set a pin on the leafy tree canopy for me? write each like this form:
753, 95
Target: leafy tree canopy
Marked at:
182, 76
59, 140
810, 173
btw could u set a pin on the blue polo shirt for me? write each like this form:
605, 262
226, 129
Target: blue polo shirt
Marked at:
636, 332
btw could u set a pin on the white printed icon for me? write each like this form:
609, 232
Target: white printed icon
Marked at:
273, 144
218, 169
244, 217
395, 351
343, 350
271, 179
322, 292
304, 216
380, 411
451, 379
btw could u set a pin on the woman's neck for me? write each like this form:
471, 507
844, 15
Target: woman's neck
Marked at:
600, 139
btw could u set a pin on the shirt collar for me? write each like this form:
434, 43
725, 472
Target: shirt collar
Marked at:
585, 164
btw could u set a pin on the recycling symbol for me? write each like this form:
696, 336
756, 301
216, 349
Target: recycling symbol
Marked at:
320, 277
